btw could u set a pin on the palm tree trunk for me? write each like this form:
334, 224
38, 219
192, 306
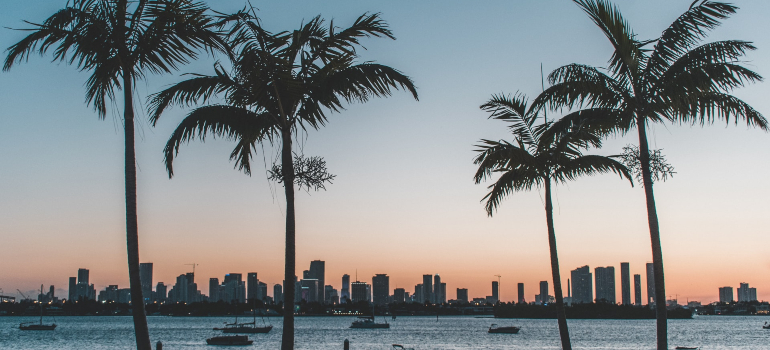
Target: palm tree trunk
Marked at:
287, 166
132, 231
560, 313
657, 252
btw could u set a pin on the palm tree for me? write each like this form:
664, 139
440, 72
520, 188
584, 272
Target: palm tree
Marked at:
280, 83
679, 80
539, 157
119, 41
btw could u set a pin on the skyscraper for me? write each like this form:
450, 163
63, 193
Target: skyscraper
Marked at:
145, 276
418, 294
73, 291
496, 291
726, 295
625, 283
83, 276
345, 291
462, 294
252, 285
521, 293
544, 292
427, 288
638, 290
746, 294
310, 290
214, 290
399, 295
381, 288
582, 286
277, 293
438, 298
318, 271
235, 288
358, 291
605, 284
650, 284
161, 292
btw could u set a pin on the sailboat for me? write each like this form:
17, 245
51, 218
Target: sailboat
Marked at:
368, 322
248, 327
32, 326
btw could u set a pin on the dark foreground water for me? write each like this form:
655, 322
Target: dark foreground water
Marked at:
420, 333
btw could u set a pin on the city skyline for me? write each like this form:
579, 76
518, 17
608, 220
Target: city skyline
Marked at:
68, 207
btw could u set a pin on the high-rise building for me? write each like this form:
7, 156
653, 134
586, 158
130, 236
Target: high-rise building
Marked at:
252, 286
638, 290
261, 291
418, 294
605, 284
73, 291
746, 294
437, 297
83, 276
214, 290
318, 271
462, 294
520, 288
145, 276
310, 290
650, 284
345, 291
381, 288
726, 295
185, 290
331, 295
234, 288
443, 293
399, 295
161, 293
83, 289
277, 293
496, 291
625, 283
582, 285
544, 297
427, 288
358, 291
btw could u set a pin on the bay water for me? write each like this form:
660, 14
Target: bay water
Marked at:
420, 333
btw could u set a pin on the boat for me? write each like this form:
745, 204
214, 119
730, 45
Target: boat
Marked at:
368, 322
494, 328
686, 348
766, 326
249, 327
400, 347
32, 326
230, 340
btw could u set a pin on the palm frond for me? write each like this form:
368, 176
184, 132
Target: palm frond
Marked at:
189, 92
698, 59
232, 123
510, 181
495, 155
686, 32
513, 109
705, 108
571, 169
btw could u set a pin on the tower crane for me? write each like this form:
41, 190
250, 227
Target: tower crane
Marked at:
22, 294
193, 266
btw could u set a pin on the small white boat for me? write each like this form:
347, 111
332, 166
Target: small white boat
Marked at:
766, 326
494, 328
400, 347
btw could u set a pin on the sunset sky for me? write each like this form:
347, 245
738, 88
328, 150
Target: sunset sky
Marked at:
404, 202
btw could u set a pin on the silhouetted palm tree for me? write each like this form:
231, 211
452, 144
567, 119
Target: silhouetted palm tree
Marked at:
678, 80
539, 156
280, 83
119, 41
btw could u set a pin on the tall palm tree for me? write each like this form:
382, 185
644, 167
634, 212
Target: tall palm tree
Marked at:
679, 79
119, 41
539, 157
280, 83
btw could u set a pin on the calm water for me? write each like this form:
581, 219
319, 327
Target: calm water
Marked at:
420, 333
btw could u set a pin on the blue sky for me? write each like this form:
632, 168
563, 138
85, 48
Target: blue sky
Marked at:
404, 202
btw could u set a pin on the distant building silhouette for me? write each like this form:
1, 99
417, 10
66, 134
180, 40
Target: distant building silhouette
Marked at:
310, 290
278, 293
495, 291
252, 286
625, 283
345, 291
399, 295
650, 284
427, 288
638, 290
520, 288
605, 284
318, 271
358, 291
582, 285
746, 294
439, 297
73, 289
84, 289
462, 294
234, 288
145, 276
331, 295
381, 288
214, 290
161, 293
419, 294
543, 297
726, 295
